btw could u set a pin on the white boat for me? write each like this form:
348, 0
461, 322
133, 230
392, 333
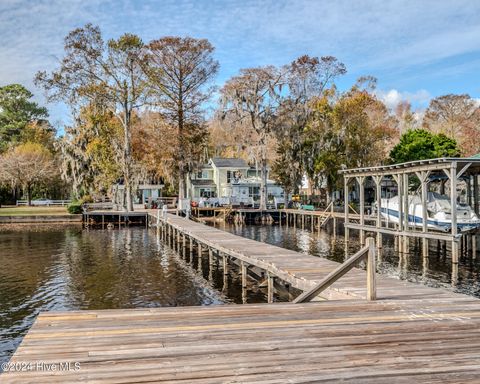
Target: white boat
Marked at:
438, 212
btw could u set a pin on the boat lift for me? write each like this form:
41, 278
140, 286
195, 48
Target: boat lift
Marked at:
452, 170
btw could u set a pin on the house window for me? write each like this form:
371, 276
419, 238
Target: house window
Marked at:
254, 192
202, 175
207, 192
229, 176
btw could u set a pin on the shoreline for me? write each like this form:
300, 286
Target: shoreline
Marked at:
40, 219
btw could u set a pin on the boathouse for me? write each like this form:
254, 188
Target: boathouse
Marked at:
454, 181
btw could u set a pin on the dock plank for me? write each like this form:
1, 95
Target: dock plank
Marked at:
328, 341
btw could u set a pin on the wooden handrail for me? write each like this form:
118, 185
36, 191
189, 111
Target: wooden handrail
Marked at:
353, 209
367, 251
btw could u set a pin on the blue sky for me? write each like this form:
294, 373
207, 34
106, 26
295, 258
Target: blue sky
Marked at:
417, 49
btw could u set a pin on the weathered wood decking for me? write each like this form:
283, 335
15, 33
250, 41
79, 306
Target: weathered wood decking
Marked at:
411, 334
302, 271
394, 341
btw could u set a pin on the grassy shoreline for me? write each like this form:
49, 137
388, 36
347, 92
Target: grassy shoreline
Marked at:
32, 211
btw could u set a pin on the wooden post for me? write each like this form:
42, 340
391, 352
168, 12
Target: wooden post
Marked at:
184, 245
378, 183
361, 181
406, 222
399, 179
210, 263
225, 264
371, 265
474, 246
423, 180
271, 288
210, 257
425, 247
199, 248
406, 203
475, 194
454, 274
191, 246
345, 199
453, 203
243, 268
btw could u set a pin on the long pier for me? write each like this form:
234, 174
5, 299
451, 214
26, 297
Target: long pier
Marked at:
411, 333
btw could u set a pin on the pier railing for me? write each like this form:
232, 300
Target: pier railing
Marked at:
368, 253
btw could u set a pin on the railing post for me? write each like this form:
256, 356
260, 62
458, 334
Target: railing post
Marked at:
371, 283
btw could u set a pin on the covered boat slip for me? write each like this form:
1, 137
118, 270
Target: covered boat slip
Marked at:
408, 220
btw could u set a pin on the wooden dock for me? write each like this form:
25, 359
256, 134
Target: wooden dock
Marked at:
411, 334
394, 341
300, 270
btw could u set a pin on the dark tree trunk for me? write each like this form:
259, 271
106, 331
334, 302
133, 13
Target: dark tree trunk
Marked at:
29, 195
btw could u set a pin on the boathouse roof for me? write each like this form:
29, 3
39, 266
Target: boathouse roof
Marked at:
464, 165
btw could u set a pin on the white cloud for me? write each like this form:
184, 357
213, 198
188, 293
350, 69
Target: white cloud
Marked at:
393, 97
382, 38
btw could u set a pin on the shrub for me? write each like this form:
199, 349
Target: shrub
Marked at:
75, 207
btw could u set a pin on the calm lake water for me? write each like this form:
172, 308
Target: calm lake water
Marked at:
434, 271
57, 268
66, 268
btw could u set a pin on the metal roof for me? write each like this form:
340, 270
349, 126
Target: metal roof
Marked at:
223, 162
413, 166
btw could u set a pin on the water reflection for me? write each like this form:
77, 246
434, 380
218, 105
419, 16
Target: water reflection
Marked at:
432, 268
58, 268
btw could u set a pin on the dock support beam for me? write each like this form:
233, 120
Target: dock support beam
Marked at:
453, 203
243, 268
199, 246
184, 245
361, 183
270, 287
210, 263
346, 202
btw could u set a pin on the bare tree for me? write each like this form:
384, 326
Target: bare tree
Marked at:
27, 165
458, 117
250, 101
179, 71
107, 74
307, 78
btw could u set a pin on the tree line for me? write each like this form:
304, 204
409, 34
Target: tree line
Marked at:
146, 110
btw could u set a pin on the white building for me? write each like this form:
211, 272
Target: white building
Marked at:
145, 191
230, 180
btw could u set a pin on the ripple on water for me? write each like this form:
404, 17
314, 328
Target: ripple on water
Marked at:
65, 268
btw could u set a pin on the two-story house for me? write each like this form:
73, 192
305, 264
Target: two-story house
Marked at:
231, 180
